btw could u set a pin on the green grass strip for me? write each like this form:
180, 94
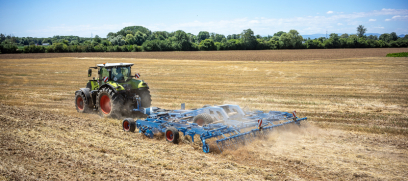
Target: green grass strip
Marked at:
402, 54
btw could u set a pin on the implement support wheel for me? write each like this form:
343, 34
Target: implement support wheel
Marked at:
172, 135
128, 124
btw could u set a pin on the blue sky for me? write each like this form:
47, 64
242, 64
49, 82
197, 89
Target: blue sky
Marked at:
81, 18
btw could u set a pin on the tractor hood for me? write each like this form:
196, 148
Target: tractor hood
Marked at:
136, 84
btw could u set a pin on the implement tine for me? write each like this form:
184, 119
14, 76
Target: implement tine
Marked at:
240, 139
226, 143
219, 147
244, 138
234, 143
249, 136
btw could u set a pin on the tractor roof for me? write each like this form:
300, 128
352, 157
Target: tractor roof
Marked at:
115, 65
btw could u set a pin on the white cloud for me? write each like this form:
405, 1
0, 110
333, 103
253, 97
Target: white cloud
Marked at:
379, 27
398, 18
254, 21
372, 20
339, 24
330, 12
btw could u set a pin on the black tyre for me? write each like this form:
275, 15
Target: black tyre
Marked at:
172, 135
146, 98
203, 119
129, 124
109, 103
80, 103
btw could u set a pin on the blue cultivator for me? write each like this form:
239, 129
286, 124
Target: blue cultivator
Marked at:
229, 124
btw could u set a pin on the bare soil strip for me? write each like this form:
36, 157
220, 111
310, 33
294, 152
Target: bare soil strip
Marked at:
239, 55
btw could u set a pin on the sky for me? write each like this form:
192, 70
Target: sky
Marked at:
43, 18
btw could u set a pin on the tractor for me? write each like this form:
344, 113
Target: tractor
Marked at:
114, 93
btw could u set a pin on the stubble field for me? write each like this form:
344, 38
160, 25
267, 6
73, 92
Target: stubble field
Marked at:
356, 104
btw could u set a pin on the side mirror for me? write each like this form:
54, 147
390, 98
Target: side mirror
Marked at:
89, 72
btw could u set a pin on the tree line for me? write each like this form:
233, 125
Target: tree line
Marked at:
138, 38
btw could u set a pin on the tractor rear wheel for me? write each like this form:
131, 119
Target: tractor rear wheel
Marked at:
146, 98
109, 103
203, 119
80, 103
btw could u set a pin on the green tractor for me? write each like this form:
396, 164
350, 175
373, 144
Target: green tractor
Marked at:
114, 93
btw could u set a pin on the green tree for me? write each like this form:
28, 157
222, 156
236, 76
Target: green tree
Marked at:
181, 41
2, 37
291, 39
385, 37
202, 35
248, 39
335, 40
97, 39
130, 40
218, 37
233, 36
133, 30
361, 31
139, 38
286, 39
345, 35
372, 37
297, 39
394, 36
279, 33
207, 44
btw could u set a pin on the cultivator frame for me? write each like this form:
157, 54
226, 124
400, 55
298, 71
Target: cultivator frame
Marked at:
230, 131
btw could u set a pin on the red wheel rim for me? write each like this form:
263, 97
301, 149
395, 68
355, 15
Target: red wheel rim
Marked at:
80, 103
105, 104
169, 135
200, 122
126, 126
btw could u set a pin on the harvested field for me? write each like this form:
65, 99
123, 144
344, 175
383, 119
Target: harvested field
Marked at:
246, 55
357, 129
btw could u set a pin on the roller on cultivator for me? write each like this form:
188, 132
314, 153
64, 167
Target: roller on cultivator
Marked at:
228, 124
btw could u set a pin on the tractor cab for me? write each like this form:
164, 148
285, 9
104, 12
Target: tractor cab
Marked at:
113, 91
118, 72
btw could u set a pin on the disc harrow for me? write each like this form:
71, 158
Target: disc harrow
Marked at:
230, 125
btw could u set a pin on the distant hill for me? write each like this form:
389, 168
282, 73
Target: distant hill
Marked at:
313, 36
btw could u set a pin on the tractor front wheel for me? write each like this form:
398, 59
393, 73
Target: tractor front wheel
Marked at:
109, 103
80, 103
